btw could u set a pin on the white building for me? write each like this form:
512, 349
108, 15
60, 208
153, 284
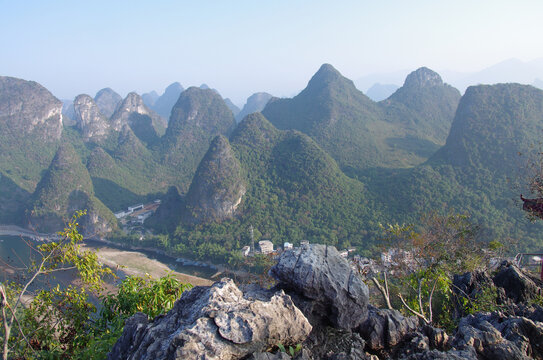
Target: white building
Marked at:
142, 217
287, 246
246, 250
122, 214
135, 207
266, 246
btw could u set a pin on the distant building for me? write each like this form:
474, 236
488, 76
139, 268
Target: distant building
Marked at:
157, 201
266, 246
143, 216
122, 214
246, 250
304, 242
287, 246
135, 207
344, 253
395, 257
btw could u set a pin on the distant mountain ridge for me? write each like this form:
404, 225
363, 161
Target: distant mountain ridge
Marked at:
164, 103
255, 103
283, 171
360, 133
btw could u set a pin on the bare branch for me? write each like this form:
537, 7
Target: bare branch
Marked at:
420, 298
414, 312
383, 291
430, 299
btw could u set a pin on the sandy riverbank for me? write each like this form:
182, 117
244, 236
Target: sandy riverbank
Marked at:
130, 262
136, 263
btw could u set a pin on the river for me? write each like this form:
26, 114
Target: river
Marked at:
16, 252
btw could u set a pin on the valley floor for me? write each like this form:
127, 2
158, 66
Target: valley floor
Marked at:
128, 262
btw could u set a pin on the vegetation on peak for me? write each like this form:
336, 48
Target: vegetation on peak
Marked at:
295, 191
424, 105
359, 133
198, 116
30, 130
423, 77
218, 185
493, 124
65, 188
145, 123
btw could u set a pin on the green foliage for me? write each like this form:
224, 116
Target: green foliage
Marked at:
442, 246
485, 301
295, 191
359, 133
56, 321
135, 294
292, 351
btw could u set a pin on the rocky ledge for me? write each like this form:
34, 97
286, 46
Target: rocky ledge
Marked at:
320, 304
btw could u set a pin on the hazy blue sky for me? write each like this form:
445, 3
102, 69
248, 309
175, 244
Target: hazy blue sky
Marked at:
240, 47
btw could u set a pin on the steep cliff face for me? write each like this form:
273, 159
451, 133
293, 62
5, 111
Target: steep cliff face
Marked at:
145, 123
28, 108
107, 101
218, 185
88, 118
30, 130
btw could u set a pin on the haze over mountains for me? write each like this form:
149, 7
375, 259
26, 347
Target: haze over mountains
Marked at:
327, 165
511, 70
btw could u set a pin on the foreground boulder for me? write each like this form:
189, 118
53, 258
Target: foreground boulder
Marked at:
217, 322
519, 286
326, 284
494, 336
385, 329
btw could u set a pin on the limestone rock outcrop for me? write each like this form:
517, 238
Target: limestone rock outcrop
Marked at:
217, 322
29, 108
88, 118
146, 124
328, 286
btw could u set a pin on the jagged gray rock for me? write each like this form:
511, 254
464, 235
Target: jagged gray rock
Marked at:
216, 322
519, 286
27, 107
385, 329
320, 274
89, 119
496, 337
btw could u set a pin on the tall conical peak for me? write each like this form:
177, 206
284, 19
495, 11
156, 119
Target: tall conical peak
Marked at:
326, 74
194, 102
423, 77
217, 187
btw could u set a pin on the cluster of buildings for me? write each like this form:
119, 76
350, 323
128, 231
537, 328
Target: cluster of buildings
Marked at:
139, 212
266, 247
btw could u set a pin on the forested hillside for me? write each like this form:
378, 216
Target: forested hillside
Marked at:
328, 165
